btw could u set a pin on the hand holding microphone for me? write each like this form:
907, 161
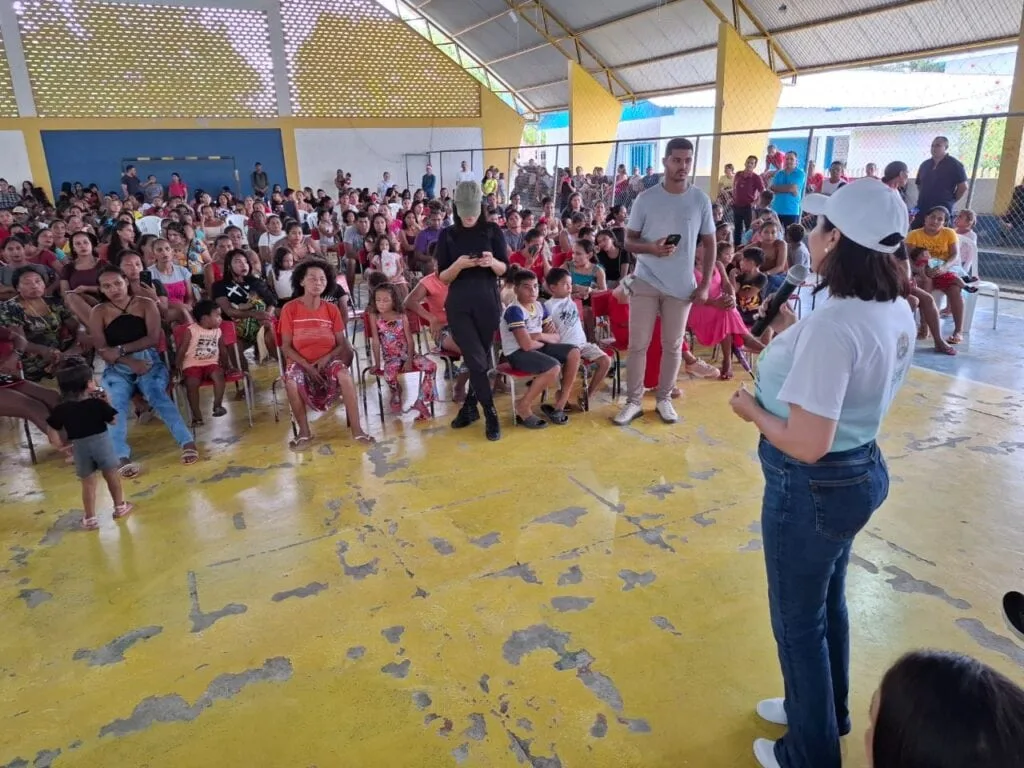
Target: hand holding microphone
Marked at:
795, 277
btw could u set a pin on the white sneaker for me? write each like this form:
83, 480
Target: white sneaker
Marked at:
629, 412
773, 710
666, 411
764, 751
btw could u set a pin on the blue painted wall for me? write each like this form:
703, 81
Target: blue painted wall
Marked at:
787, 144
99, 156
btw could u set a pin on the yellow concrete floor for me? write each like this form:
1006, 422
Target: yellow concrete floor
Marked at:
586, 596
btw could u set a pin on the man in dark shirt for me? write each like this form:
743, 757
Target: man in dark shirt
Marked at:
260, 181
130, 183
941, 180
651, 179
429, 183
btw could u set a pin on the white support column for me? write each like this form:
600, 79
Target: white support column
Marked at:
16, 60
279, 58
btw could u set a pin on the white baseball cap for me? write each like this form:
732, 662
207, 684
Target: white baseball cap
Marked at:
866, 211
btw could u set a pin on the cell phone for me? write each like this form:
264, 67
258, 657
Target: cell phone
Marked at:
673, 239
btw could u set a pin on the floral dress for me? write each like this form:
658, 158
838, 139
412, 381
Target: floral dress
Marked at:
49, 330
394, 353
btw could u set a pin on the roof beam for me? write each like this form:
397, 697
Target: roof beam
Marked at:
514, 54
538, 86
667, 57
858, 15
626, 16
773, 45
543, 28
489, 19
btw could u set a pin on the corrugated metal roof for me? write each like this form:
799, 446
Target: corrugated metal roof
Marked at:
656, 46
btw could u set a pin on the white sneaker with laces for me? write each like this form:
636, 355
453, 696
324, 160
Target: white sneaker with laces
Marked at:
773, 711
629, 413
764, 751
666, 411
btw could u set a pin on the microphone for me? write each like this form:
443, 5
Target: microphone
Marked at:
794, 279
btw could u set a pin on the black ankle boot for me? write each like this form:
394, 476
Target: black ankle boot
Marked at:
492, 426
467, 414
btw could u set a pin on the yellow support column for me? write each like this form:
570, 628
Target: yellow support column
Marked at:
1011, 165
291, 154
746, 97
36, 157
594, 115
501, 127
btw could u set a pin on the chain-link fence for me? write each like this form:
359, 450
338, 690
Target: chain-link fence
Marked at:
828, 155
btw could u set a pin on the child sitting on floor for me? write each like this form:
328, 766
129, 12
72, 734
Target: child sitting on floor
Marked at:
84, 415
392, 344
530, 344
202, 357
717, 320
565, 316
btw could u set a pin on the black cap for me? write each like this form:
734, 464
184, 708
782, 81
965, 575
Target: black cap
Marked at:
894, 169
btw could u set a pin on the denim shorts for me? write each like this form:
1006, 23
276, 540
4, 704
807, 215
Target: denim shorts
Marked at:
94, 453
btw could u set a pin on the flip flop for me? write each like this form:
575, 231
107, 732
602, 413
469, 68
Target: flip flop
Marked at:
220, 410
947, 351
301, 443
956, 338
368, 439
531, 422
189, 456
555, 415
129, 470
90, 524
123, 510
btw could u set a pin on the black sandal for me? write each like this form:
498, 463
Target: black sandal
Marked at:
531, 422
555, 415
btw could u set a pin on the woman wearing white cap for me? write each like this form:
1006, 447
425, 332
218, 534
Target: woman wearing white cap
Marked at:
823, 388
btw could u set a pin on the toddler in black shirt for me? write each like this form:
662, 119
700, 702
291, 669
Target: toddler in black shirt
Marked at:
84, 415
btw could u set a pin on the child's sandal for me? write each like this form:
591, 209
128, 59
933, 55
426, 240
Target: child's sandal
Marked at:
123, 509
90, 523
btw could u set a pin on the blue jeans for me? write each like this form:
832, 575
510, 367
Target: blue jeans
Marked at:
809, 517
121, 383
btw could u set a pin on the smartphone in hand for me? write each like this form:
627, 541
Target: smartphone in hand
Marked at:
673, 239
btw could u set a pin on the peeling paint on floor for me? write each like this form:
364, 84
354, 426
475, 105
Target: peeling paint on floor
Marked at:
441, 600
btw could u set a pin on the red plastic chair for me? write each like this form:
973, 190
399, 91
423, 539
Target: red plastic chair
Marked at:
229, 335
616, 314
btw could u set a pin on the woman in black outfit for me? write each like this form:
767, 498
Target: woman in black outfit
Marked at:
471, 256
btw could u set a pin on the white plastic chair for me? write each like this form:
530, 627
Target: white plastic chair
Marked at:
150, 225
984, 287
238, 220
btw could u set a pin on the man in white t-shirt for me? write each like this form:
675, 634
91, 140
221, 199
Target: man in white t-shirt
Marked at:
465, 174
385, 185
835, 178
664, 226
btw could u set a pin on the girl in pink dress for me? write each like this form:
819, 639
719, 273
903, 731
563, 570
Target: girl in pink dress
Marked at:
391, 340
717, 321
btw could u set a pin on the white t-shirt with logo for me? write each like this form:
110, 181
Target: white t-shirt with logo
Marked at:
566, 317
845, 361
466, 176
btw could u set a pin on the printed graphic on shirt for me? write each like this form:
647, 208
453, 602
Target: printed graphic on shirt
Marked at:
207, 347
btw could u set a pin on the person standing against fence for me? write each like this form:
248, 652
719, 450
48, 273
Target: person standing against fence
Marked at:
788, 185
747, 186
663, 230
941, 180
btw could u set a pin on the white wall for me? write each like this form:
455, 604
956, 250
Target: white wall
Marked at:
14, 159
367, 152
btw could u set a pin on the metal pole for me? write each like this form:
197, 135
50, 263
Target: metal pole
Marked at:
407, 184
440, 172
977, 161
693, 170
807, 160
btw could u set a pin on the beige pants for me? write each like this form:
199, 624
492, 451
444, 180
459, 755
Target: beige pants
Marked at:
646, 304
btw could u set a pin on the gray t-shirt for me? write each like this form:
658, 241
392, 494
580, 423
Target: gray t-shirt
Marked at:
658, 213
799, 254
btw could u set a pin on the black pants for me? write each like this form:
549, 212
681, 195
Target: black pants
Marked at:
473, 326
742, 215
787, 220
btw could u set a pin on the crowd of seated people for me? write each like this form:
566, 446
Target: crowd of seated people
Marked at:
173, 249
